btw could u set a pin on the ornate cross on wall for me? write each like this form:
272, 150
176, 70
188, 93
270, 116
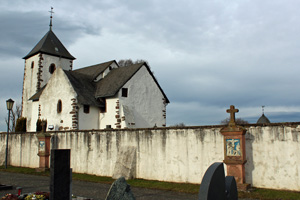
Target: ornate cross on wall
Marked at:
232, 112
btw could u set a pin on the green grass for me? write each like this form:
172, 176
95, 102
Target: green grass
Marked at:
255, 193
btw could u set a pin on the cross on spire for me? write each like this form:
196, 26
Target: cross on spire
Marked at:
232, 112
51, 12
263, 109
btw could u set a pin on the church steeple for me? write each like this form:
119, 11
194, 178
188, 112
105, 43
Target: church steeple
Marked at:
50, 45
263, 119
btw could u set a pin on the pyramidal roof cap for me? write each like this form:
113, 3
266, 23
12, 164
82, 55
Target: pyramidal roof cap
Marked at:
51, 45
263, 120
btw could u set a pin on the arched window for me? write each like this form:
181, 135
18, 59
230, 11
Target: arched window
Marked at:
32, 65
59, 106
52, 68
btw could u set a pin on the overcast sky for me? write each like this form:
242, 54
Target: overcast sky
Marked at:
206, 55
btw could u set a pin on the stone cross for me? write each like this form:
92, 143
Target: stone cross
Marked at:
232, 112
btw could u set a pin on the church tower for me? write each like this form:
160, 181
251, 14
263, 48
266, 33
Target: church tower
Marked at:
40, 63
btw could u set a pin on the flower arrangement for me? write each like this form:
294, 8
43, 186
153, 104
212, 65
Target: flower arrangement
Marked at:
31, 196
10, 197
38, 196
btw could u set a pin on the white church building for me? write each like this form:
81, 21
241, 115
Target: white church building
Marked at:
94, 97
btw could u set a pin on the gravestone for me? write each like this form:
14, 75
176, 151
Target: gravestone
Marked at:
60, 181
126, 163
120, 190
215, 186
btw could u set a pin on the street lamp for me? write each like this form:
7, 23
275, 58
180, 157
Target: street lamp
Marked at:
9, 105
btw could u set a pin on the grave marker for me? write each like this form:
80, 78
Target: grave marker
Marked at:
215, 186
120, 190
60, 173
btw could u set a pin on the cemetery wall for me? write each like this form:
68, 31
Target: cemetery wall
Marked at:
171, 154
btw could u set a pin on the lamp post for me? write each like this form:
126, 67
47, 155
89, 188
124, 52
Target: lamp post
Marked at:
9, 105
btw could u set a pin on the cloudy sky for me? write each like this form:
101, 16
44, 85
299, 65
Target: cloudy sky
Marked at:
206, 54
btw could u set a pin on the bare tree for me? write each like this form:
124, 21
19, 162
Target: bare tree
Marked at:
14, 115
128, 62
239, 121
181, 124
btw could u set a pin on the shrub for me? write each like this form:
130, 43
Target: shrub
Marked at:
39, 125
21, 124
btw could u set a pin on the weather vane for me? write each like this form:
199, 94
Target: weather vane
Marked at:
51, 12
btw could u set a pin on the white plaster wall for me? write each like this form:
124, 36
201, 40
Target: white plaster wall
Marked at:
29, 87
31, 121
177, 155
31, 79
58, 88
22, 149
63, 63
273, 157
88, 120
109, 117
144, 99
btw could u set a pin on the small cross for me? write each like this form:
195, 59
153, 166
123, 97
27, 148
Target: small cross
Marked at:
51, 12
232, 112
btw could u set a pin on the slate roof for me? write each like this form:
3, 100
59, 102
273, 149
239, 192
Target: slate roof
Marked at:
84, 87
51, 45
263, 120
89, 91
95, 70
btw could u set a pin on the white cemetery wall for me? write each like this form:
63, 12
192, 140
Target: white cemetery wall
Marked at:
273, 159
172, 154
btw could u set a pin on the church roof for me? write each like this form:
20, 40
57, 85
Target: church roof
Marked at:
263, 120
51, 45
84, 87
95, 70
89, 91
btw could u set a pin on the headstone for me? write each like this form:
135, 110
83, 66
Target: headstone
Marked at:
60, 174
120, 190
231, 188
126, 163
215, 186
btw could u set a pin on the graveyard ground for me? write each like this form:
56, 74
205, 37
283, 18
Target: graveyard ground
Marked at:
255, 193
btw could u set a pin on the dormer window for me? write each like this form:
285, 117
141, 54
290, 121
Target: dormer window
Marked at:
52, 68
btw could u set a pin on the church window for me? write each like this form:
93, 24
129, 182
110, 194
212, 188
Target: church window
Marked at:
86, 108
124, 92
59, 106
103, 109
52, 68
32, 65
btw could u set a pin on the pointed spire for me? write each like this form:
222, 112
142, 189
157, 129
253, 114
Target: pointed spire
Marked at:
263, 109
51, 18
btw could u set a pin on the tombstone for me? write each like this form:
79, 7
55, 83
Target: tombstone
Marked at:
120, 190
215, 186
126, 163
60, 173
